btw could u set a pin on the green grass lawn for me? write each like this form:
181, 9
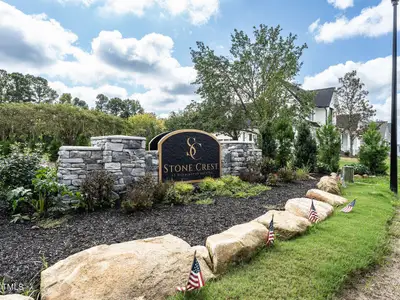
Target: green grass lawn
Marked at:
317, 264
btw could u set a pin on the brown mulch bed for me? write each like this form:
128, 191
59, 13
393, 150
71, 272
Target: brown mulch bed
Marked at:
23, 245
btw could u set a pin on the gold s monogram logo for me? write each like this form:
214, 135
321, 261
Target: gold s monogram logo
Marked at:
192, 149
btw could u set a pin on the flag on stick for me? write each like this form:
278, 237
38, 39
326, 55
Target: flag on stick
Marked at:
271, 233
313, 216
195, 280
348, 208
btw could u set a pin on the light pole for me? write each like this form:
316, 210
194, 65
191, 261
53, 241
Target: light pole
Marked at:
393, 142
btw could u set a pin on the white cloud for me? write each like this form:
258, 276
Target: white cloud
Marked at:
371, 22
341, 4
198, 11
146, 63
89, 93
314, 26
32, 39
374, 73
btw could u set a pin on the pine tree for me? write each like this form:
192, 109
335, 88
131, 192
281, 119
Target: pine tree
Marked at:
267, 140
284, 136
374, 150
329, 146
305, 148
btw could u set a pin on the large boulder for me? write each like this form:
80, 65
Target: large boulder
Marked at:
286, 224
326, 197
235, 244
142, 269
15, 297
301, 207
329, 184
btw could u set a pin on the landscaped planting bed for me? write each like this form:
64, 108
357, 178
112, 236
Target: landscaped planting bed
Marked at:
23, 247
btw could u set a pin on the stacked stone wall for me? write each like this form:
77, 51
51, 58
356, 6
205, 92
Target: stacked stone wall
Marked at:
126, 158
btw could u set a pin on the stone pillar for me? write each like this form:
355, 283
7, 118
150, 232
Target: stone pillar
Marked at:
123, 156
75, 162
237, 155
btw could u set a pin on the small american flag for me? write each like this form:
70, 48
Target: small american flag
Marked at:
271, 233
313, 216
196, 280
348, 208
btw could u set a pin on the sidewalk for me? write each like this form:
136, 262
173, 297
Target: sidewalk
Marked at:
384, 282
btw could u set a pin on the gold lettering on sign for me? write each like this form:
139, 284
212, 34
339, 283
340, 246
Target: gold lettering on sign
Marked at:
192, 149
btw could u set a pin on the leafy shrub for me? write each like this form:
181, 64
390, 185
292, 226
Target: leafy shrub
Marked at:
268, 166
286, 174
251, 177
96, 190
140, 194
210, 184
179, 193
360, 169
205, 201
18, 168
323, 168
305, 153
374, 150
272, 179
160, 191
231, 180
302, 174
47, 191
329, 147
18, 199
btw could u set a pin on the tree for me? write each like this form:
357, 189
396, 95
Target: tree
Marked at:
374, 151
40, 90
267, 140
4, 85
353, 106
18, 88
80, 103
255, 79
122, 108
328, 138
65, 98
101, 103
147, 125
284, 136
305, 148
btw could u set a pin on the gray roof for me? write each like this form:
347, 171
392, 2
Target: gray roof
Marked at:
323, 97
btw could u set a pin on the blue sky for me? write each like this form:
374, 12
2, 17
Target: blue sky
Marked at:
140, 48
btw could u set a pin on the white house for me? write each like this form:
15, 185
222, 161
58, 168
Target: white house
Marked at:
325, 101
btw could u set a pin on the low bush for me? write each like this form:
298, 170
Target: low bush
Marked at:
272, 179
302, 174
18, 168
160, 191
360, 169
44, 199
179, 193
210, 184
323, 168
286, 175
140, 194
251, 177
268, 166
96, 190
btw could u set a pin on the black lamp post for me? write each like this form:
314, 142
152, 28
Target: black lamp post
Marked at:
393, 142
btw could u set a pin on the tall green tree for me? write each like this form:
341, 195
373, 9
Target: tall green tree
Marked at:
284, 135
122, 108
374, 150
101, 102
65, 98
255, 77
80, 103
267, 140
328, 138
40, 91
353, 106
305, 148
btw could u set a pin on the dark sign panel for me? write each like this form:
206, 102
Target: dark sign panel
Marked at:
189, 155
153, 144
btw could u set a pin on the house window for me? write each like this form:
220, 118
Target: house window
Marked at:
244, 137
250, 137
